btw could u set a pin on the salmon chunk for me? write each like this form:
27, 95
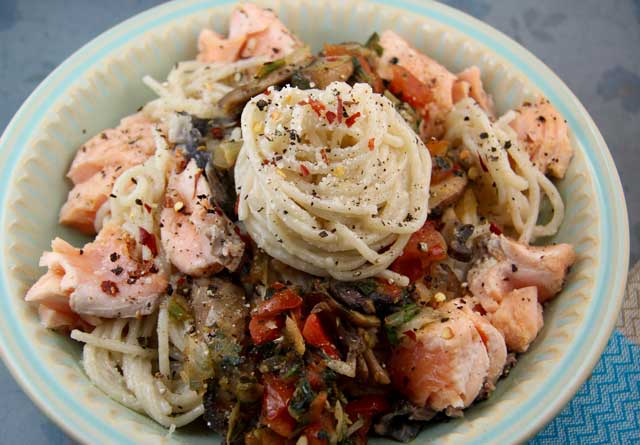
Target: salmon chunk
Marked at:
469, 84
519, 318
444, 365
492, 338
511, 266
98, 163
436, 77
212, 47
545, 136
253, 31
103, 279
196, 235
86, 198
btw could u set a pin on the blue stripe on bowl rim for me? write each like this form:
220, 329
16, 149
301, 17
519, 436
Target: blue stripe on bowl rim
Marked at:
32, 374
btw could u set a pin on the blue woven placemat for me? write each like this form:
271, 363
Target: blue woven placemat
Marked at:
606, 410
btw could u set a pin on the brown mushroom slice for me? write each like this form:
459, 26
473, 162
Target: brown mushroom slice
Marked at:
323, 71
447, 192
269, 74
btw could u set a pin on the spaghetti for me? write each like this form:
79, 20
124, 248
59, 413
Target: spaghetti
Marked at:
519, 186
331, 193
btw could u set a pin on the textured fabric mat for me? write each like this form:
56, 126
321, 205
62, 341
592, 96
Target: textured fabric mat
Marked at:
606, 410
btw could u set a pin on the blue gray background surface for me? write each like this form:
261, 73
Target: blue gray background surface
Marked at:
593, 45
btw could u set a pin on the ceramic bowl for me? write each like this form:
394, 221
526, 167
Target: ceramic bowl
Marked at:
101, 83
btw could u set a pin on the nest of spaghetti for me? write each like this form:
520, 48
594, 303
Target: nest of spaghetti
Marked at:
332, 182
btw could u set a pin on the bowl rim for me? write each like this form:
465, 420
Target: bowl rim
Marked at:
608, 188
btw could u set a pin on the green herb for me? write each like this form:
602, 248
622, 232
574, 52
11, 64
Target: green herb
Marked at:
359, 74
392, 335
366, 286
298, 80
402, 316
373, 43
301, 399
178, 308
328, 376
269, 68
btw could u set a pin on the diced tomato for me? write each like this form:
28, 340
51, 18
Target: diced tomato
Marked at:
275, 400
317, 406
316, 434
408, 88
264, 330
281, 301
391, 290
315, 370
321, 422
424, 247
367, 406
314, 334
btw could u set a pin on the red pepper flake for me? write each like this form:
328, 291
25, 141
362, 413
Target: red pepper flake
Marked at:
331, 116
147, 207
325, 158
217, 132
352, 119
317, 106
340, 110
372, 144
484, 167
304, 170
495, 229
109, 288
267, 92
149, 240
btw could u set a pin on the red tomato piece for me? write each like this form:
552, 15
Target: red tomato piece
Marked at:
275, 400
264, 330
282, 300
424, 247
314, 334
408, 88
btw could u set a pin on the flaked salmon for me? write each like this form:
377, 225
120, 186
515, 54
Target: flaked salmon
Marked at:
519, 318
103, 279
469, 84
510, 267
436, 77
492, 338
443, 365
545, 136
196, 235
98, 163
253, 31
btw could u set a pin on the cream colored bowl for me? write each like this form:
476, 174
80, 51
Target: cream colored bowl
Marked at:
102, 82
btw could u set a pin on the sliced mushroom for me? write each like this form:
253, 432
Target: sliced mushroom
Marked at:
447, 192
220, 312
270, 74
322, 72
